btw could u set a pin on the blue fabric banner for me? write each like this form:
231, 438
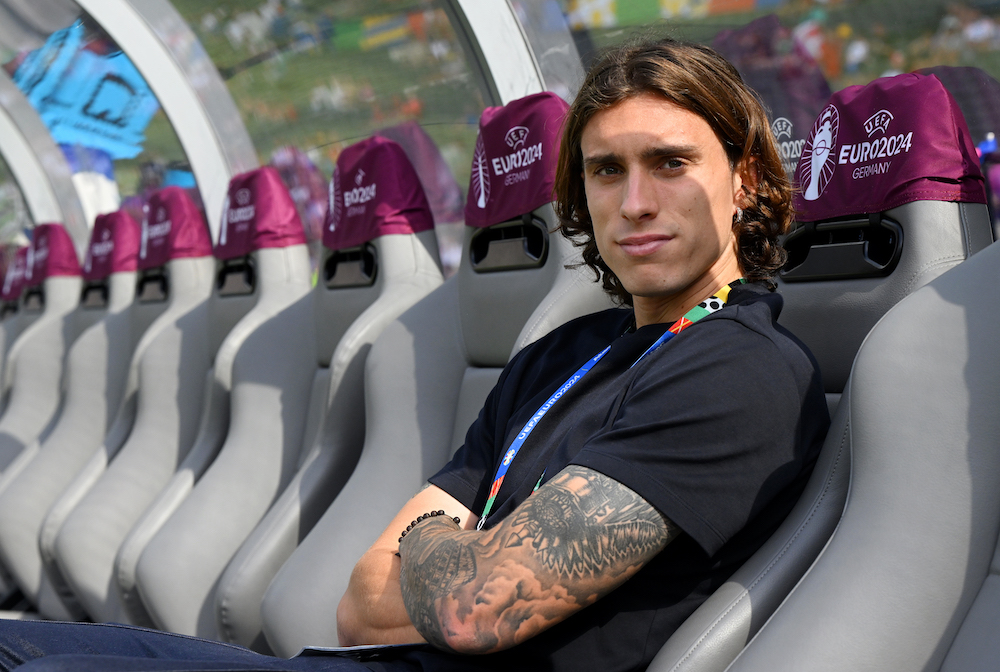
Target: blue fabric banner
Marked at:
86, 98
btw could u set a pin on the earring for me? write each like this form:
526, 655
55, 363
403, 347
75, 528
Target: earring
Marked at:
739, 215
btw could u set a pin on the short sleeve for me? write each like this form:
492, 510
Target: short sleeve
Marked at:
707, 431
462, 476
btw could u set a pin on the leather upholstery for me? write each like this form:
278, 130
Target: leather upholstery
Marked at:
908, 580
34, 369
348, 322
425, 379
95, 379
268, 360
832, 318
155, 428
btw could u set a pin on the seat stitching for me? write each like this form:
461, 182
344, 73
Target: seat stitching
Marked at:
770, 565
966, 233
545, 311
933, 263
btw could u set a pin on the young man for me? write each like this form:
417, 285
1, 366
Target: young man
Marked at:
627, 463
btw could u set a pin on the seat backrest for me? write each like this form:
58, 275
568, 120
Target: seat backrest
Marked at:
95, 375
380, 258
35, 360
846, 269
892, 205
14, 320
909, 580
158, 418
269, 362
429, 372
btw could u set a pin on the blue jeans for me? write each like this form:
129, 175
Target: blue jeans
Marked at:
85, 647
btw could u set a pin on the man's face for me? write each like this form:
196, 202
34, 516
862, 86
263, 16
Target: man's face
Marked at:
662, 197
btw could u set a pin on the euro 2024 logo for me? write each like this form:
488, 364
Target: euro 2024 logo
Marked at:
818, 160
480, 173
336, 200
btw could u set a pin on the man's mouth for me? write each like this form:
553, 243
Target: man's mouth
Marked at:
640, 245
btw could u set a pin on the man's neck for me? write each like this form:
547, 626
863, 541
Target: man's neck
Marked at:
669, 309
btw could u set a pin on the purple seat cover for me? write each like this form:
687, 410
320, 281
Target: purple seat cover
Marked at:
514, 165
259, 213
51, 254
875, 147
374, 191
13, 280
114, 246
172, 228
443, 192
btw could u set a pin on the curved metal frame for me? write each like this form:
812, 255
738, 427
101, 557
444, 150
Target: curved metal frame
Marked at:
508, 63
195, 99
38, 165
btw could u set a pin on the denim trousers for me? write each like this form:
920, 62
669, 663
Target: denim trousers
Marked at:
32, 646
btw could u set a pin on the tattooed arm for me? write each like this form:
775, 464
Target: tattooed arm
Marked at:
372, 611
575, 540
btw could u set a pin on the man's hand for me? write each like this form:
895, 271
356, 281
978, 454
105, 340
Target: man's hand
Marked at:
372, 611
578, 538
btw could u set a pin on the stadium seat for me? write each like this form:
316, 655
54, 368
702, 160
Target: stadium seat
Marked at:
895, 201
909, 579
268, 361
158, 419
429, 372
14, 320
94, 380
381, 258
35, 360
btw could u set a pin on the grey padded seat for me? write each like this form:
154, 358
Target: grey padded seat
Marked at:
353, 303
910, 580
426, 379
430, 371
268, 361
95, 376
15, 320
832, 313
35, 361
158, 419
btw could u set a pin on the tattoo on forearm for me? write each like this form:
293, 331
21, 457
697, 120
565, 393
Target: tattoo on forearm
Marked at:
576, 539
438, 565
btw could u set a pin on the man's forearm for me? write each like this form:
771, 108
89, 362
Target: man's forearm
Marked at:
576, 539
372, 610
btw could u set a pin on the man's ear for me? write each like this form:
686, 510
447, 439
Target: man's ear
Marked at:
746, 177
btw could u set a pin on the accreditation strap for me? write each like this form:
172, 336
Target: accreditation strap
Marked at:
703, 309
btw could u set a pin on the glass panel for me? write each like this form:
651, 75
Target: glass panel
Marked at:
552, 44
797, 52
116, 138
310, 78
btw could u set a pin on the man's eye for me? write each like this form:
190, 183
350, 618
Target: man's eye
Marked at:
607, 170
673, 164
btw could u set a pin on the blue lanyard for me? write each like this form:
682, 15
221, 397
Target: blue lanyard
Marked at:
689, 318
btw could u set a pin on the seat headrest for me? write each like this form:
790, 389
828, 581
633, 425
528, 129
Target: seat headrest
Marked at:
13, 279
876, 147
514, 164
114, 246
374, 191
259, 213
51, 254
440, 186
172, 228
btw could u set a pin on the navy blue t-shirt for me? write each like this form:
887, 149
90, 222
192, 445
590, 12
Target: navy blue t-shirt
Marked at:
718, 429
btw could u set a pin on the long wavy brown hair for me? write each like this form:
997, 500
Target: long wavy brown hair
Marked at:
697, 79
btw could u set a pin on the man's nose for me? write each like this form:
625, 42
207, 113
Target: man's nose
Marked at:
639, 197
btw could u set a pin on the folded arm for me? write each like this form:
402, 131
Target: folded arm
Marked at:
578, 538
372, 610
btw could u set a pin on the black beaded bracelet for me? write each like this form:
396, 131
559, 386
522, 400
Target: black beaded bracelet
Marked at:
425, 516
